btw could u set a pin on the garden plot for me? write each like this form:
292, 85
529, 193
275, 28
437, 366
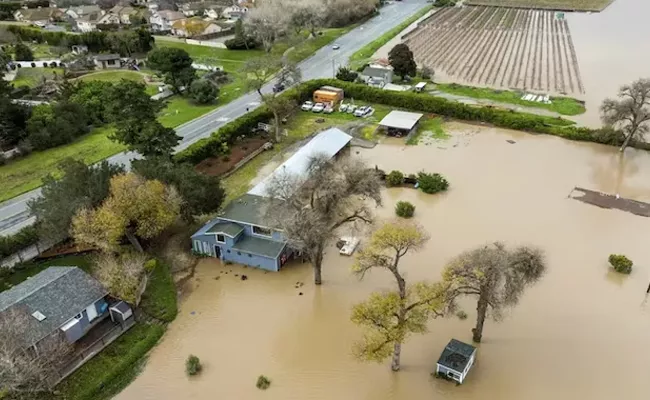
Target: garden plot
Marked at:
500, 47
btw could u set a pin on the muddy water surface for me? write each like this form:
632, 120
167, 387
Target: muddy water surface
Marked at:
582, 333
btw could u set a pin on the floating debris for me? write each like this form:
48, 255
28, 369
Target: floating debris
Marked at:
244, 277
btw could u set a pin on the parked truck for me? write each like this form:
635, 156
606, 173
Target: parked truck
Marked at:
328, 94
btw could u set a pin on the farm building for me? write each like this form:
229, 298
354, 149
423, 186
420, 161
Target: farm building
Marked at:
400, 123
456, 360
240, 235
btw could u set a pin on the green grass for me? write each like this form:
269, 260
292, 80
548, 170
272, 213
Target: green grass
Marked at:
12, 277
231, 60
31, 77
159, 298
180, 110
309, 46
301, 125
361, 56
561, 105
118, 75
431, 127
110, 371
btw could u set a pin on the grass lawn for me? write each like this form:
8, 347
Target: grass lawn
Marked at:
301, 125
118, 75
12, 277
429, 127
113, 368
180, 110
578, 5
229, 59
562, 105
33, 76
362, 55
159, 299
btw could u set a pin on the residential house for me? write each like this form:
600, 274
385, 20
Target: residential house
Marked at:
38, 16
377, 75
195, 26
119, 15
79, 49
213, 12
163, 20
240, 234
65, 303
234, 12
456, 360
88, 22
107, 61
80, 11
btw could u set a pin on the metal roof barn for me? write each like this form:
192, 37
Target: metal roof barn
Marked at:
401, 120
328, 143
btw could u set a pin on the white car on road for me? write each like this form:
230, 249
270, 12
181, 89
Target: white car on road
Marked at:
306, 106
318, 107
336, 47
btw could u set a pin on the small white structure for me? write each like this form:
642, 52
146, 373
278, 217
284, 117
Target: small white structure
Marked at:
456, 360
351, 243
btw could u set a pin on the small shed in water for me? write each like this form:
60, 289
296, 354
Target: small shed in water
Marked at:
456, 360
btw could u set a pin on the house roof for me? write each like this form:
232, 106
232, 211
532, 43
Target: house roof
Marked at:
58, 293
401, 119
328, 142
39, 14
229, 228
456, 355
259, 246
248, 209
106, 57
91, 17
377, 71
194, 24
171, 15
83, 10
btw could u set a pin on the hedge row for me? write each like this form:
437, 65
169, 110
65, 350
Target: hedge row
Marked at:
412, 101
243, 125
24, 238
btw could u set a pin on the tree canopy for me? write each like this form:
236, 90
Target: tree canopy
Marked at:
631, 112
202, 91
175, 64
401, 59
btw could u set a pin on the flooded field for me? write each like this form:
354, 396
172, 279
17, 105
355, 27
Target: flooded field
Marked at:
581, 333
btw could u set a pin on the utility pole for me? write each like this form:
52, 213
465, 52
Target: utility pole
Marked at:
333, 69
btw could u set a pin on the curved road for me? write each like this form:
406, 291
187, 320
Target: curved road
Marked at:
14, 213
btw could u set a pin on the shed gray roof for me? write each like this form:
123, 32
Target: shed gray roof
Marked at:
401, 119
377, 72
59, 293
248, 209
259, 246
328, 142
229, 228
456, 355
106, 57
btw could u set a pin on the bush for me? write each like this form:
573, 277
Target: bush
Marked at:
404, 209
620, 263
426, 73
345, 74
202, 91
22, 52
193, 365
395, 178
22, 239
432, 183
263, 382
462, 315
150, 265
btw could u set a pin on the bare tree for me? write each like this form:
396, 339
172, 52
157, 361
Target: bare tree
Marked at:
267, 21
391, 316
23, 370
260, 70
496, 275
124, 276
631, 113
310, 209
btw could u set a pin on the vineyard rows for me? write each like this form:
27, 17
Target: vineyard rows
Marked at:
501, 47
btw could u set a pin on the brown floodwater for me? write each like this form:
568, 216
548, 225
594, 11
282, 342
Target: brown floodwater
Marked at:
583, 332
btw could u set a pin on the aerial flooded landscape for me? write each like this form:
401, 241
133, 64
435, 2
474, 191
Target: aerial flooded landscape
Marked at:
341, 200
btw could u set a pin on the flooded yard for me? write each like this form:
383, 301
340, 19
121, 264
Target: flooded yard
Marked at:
581, 333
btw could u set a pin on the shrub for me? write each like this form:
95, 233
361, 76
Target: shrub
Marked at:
620, 263
202, 91
346, 74
426, 73
193, 365
150, 265
263, 382
395, 178
404, 209
432, 183
462, 315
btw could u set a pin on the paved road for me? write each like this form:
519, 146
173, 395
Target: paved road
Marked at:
14, 213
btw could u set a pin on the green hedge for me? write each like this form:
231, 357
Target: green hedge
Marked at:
22, 239
98, 378
159, 298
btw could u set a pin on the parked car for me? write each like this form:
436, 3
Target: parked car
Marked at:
307, 106
363, 111
318, 107
278, 87
351, 108
328, 109
343, 107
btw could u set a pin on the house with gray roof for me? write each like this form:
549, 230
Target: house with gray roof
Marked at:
456, 360
239, 233
65, 302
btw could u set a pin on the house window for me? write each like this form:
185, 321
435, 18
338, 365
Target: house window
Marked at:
239, 253
197, 246
258, 230
227, 251
110, 62
250, 255
221, 238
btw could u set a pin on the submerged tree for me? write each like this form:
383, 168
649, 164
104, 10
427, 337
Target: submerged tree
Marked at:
391, 316
496, 275
309, 209
631, 113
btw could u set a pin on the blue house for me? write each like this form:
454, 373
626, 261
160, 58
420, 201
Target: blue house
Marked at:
240, 235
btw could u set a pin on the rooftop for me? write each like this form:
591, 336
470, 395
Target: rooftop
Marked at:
228, 228
57, 293
401, 120
456, 355
106, 57
328, 142
259, 246
248, 208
